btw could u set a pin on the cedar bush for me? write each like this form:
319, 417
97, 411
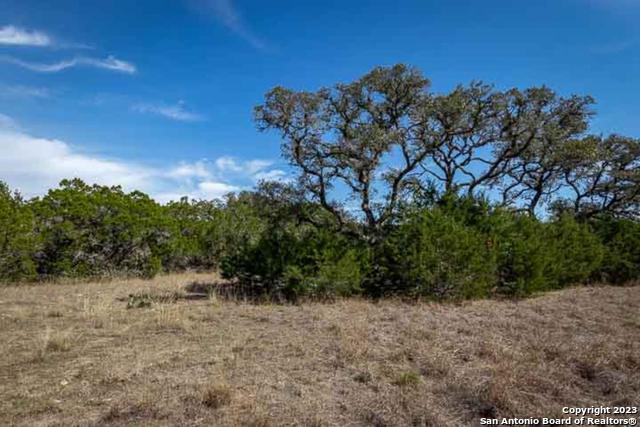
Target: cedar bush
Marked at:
98, 231
274, 243
621, 258
579, 253
524, 255
196, 241
268, 249
434, 255
18, 242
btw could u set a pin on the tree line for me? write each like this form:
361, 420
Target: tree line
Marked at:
398, 190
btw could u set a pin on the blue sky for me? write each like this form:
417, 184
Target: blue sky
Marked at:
158, 95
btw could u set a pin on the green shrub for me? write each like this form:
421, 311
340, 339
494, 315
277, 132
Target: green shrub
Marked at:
296, 261
621, 240
99, 231
327, 277
523, 253
435, 255
18, 242
578, 251
196, 239
514, 255
465, 248
274, 242
272, 250
341, 277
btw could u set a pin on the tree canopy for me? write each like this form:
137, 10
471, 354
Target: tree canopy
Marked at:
385, 138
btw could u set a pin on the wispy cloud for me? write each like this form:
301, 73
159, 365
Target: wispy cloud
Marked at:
205, 190
34, 164
176, 112
19, 91
205, 179
185, 170
212, 190
15, 36
614, 47
252, 170
231, 164
110, 63
7, 122
226, 12
271, 175
618, 5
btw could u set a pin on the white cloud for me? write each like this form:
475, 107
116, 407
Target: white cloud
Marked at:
257, 169
7, 122
186, 170
227, 167
205, 190
110, 63
215, 190
10, 35
251, 167
33, 165
227, 13
227, 164
271, 175
174, 112
24, 91
256, 166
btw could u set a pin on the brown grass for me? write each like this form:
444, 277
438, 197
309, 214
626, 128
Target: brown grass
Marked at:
74, 354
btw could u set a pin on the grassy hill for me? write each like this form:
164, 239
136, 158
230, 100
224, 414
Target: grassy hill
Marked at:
91, 354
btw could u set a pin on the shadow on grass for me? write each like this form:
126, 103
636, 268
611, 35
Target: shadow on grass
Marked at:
240, 292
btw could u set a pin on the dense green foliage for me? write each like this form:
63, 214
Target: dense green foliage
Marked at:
274, 251
92, 230
79, 230
621, 238
414, 168
17, 237
268, 240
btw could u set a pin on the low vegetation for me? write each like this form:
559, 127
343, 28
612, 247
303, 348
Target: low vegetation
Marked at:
450, 248
74, 354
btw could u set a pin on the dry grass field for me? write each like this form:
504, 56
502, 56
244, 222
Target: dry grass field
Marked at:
74, 354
